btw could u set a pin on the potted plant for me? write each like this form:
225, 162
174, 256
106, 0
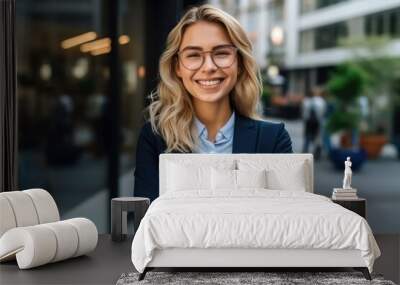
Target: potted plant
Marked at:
345, 87
381, 71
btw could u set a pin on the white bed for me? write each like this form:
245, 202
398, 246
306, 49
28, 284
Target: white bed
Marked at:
201, 223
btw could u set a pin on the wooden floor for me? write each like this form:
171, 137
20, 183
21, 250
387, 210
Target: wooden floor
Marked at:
110, 260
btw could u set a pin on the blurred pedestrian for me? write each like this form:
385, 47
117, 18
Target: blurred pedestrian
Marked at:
313, 113
325, 133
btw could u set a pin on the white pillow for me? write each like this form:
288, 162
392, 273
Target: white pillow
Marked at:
279, 180
183, 177
223, 179
235, 179
191, 174
251, 178
282, 174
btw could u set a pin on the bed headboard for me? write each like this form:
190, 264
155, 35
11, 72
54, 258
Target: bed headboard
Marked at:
196, 159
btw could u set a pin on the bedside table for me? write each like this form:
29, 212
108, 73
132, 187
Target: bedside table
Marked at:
358, 205
119, 210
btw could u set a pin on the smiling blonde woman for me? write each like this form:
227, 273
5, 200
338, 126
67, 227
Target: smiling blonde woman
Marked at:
206, 99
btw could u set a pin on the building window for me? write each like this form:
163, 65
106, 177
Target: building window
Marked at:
323, 37
329, 36
383, 23
307, 41
276, 9
312, 5
394, 23
64, 114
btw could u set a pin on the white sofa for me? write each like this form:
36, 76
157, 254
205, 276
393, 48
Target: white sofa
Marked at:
31, 231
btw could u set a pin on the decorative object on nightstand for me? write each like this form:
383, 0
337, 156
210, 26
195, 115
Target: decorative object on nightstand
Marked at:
357, 205
347, 196
344, 194
347, 174
119, 211
347, 192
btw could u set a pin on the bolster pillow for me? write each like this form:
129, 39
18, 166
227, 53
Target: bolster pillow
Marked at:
45, 243
26, 208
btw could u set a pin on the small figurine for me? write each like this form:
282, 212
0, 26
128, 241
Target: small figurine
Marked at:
347, 174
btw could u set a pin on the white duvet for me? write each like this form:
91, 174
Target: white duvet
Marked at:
253, 218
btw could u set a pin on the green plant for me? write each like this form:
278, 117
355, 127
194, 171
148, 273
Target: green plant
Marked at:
347, 83
343, 121
382, 73
345, 86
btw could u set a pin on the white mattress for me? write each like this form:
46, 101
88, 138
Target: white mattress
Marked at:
252, 218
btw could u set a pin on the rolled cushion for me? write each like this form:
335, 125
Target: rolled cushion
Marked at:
40, 244
7, 218
87, 235
67, 239
45, 205
33, 246
23, 208
26, 208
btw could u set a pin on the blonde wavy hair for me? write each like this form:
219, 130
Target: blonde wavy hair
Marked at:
171, 111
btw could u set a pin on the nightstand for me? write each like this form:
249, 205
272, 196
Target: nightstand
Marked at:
358, 205
119, 210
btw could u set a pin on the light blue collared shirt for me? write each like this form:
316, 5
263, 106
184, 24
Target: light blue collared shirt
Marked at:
223, 140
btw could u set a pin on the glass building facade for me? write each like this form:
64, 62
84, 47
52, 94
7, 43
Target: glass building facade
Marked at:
386, 23
80, 105
312, 5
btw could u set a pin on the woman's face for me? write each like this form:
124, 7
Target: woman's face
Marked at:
209, 83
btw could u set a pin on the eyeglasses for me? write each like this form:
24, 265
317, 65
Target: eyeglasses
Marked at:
222, 57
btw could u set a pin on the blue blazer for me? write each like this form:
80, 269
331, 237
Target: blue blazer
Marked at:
250, 136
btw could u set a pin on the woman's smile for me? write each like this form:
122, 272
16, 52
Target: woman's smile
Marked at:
210, 84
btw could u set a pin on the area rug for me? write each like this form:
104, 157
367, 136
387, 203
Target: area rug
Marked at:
243, 278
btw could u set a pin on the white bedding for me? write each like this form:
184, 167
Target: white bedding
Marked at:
251, 218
